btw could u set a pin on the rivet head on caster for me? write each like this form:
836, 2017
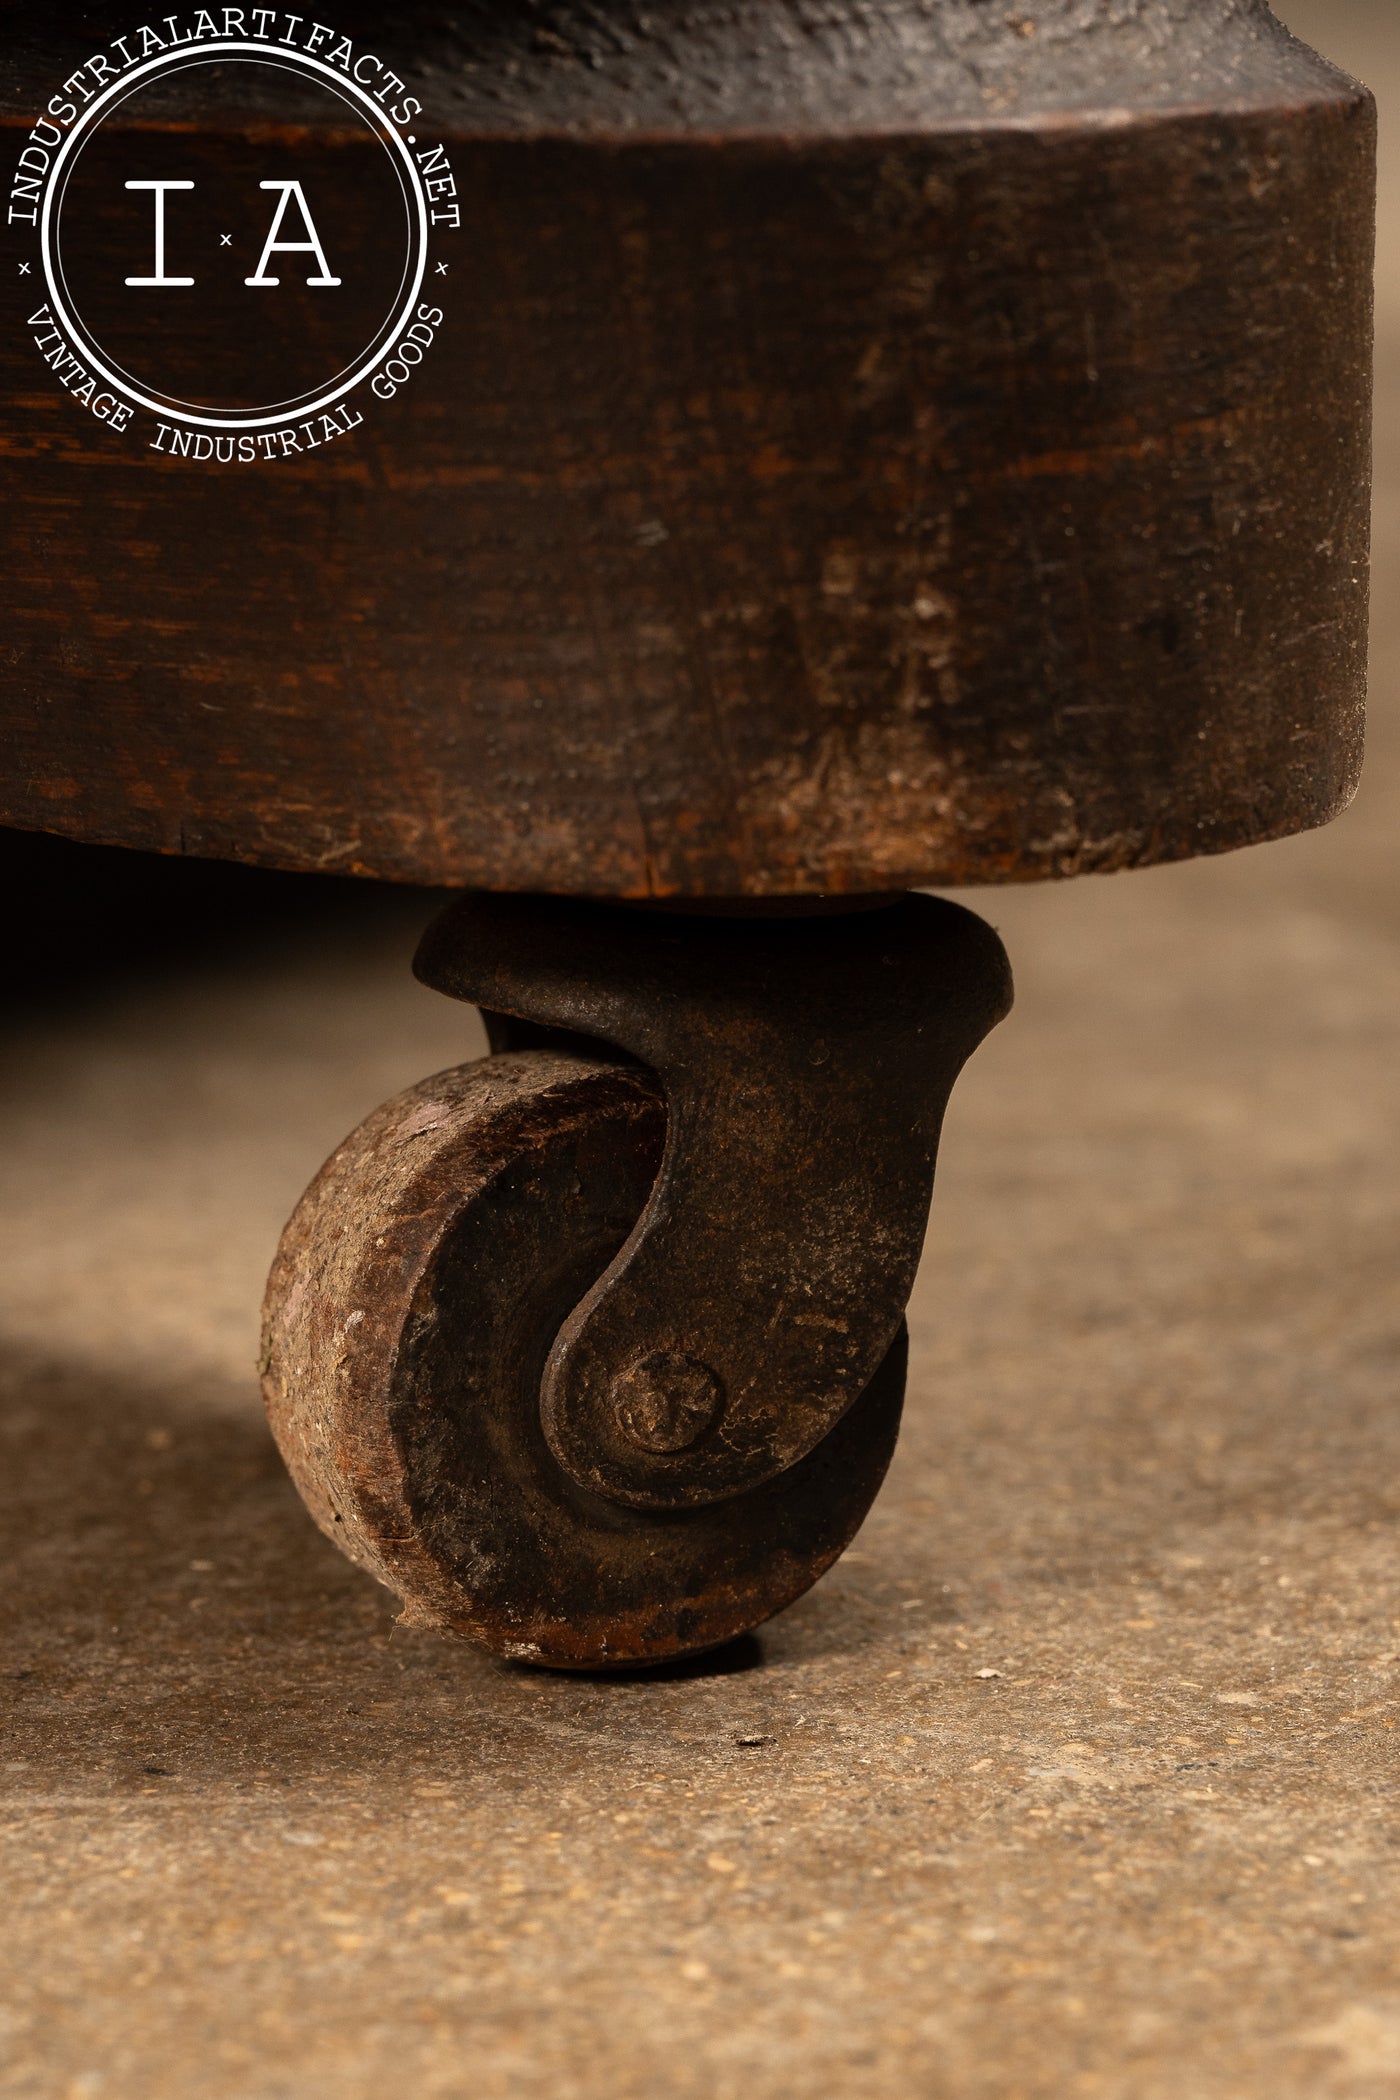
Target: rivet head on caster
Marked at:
667, 1401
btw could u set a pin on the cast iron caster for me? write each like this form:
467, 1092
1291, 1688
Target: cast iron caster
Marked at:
593, 1351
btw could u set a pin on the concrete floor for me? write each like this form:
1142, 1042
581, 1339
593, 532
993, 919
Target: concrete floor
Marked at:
1077, 1777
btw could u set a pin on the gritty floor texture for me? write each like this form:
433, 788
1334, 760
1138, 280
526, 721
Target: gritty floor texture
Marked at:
1076, 1777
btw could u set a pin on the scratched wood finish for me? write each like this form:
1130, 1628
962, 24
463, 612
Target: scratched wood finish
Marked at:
867, 446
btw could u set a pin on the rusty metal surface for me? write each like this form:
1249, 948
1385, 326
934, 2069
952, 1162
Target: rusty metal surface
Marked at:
601, 1362
415, 1297
872, 445
806, 1066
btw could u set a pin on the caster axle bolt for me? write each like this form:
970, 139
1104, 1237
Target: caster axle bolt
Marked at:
666, 1401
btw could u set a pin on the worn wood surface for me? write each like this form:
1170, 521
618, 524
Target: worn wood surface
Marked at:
408, 1320
865, 447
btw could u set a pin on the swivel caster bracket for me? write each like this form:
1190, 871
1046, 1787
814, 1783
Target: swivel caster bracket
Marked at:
594, 1350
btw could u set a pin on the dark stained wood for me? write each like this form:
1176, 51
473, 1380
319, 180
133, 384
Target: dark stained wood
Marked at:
868, 445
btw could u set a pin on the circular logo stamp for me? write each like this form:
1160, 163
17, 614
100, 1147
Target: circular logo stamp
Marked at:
236, 218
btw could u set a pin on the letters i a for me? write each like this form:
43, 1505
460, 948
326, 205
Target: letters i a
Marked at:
272, 246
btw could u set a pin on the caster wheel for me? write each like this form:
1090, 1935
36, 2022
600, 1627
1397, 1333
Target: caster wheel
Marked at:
410, 1316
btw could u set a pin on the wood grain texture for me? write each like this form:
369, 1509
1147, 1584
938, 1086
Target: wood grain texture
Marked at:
866, 446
